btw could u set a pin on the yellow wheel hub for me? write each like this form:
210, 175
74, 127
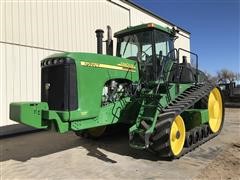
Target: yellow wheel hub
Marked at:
97, 131
215, 110
177, 135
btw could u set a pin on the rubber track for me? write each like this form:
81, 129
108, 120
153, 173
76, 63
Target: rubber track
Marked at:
189, 149
160, 141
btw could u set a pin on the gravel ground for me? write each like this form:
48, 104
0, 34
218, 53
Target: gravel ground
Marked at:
225, 166
49, 155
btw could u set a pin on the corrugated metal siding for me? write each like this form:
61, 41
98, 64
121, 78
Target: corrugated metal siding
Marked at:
32, 30
20, 76
32, 25
66, 25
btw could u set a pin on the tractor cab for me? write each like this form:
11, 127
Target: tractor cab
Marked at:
149, 45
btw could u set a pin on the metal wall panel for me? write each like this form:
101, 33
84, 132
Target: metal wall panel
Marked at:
29, 26
30, 30
62, 25
20, 76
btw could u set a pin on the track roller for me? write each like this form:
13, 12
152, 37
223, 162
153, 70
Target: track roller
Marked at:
195, 136
200, 131
189, 139
206, 131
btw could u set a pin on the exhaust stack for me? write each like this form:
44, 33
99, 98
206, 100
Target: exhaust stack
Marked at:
99, 35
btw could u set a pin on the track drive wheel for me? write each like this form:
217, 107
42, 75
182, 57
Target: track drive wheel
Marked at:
171, 138
93, 133
215, 110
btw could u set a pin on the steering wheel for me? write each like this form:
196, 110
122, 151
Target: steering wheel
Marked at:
144, 53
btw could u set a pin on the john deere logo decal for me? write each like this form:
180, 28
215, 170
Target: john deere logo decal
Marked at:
122, 66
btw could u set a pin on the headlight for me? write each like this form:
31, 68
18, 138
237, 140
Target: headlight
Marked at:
49, 62
61, 61
55, 61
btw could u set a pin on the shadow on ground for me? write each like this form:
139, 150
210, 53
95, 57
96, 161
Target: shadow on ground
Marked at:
117, 143
33, 145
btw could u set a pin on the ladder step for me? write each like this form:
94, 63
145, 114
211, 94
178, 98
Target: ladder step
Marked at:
145, 125
146, 118
148, 105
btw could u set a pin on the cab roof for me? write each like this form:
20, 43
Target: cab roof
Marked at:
134, 29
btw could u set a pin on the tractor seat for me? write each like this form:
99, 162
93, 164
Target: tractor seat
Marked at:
187, 73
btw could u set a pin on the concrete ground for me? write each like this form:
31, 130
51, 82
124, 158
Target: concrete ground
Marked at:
48, 155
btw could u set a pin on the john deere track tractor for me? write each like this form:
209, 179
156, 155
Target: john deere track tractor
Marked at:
168, 103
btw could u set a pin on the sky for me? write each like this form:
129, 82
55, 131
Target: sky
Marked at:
214, 26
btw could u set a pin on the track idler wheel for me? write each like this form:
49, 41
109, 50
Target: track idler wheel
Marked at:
93, 133
215, 110
170, 138
177, 136
97, 131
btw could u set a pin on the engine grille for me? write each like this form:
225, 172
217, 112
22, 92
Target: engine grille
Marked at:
59, 84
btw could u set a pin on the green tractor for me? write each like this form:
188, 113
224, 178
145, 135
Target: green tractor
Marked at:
170, 106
